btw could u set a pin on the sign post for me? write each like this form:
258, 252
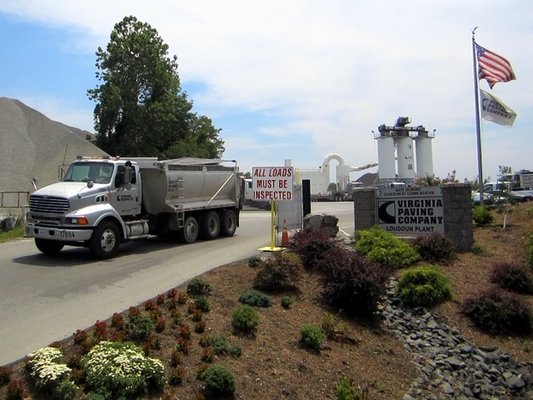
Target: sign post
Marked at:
273, 184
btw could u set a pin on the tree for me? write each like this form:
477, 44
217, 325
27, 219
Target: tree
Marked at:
141, 109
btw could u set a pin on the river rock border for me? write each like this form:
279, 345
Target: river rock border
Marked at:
451, 367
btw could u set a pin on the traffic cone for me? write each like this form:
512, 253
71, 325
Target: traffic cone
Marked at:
284, 238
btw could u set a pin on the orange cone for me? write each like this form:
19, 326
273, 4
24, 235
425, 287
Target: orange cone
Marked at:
285, 238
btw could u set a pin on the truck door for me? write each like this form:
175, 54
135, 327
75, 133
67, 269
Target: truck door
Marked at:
126, 197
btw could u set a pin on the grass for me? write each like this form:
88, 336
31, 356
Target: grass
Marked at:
16, 233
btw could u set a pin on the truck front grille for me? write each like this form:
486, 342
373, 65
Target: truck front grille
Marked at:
48, 205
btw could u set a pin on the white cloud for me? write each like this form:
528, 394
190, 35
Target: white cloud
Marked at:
329, 73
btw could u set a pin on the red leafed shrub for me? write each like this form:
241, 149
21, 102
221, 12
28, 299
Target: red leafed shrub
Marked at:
79, 336
150, 305
100, 330
5, 375
435, 248
498, 312
311, 246
117, 321
351, 282
512, 276
15, 390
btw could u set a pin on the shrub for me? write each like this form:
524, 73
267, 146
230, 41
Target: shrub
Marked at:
435, 248
201, 303
279, 273
346, 390
140, 327
311, 336
221, 346
423, 286
116, 370
176, 375
497, 312
50, 374
482, 216
218, 380
255, 298
385, 249
351, 282
310, 246
15, 390
117, 321
286, 301
5, 376
254, 262
245, 319
512, 276
198, 287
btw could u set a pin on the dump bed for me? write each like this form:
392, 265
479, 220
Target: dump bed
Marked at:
187, 184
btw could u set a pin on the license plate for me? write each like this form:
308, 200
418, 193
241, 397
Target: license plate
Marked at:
66, 234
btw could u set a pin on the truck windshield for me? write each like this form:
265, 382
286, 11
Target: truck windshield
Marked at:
89, 171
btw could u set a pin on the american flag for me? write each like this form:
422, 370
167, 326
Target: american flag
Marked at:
493, 67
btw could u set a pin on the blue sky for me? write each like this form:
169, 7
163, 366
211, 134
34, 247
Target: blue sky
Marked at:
295, 79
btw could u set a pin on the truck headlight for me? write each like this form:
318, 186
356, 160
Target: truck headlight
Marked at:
77, 221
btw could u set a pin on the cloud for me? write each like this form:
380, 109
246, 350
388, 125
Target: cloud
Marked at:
320, 77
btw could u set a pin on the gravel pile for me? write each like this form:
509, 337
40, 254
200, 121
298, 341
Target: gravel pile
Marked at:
33, 146
452, 368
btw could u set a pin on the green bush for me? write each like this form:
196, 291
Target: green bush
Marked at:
435, 248
279, 273
140, 326
245, 319
116, 370
512, 276
218, 380
346, 390
255, 298
423, 286
351, 282
202, 304
198, 287
254, 262
482, 216
499, 313
385, 249
286, 301
312, 337
221, 346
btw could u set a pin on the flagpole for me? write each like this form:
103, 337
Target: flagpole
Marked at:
478, 120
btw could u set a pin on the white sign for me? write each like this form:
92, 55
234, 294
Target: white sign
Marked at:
411, 211
272, 183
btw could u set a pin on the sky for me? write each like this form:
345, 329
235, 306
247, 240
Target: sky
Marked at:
296, 79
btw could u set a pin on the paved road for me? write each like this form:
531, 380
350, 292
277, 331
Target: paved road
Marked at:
43, 299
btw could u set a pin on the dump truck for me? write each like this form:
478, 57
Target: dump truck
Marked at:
103, 202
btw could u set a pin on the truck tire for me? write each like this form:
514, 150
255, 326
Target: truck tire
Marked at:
228, 223
48, 247
105, 240
210, 225
189, 233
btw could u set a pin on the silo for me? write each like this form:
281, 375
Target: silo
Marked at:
386, 167
424, 156
404, 148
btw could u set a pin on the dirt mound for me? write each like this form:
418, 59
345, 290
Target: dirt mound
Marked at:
34, 146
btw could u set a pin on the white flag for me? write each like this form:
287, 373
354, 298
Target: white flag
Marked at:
494, 110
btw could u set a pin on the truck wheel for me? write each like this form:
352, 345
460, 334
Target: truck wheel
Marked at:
105, 240
189, 233
48, 247
228, 223
210, 225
